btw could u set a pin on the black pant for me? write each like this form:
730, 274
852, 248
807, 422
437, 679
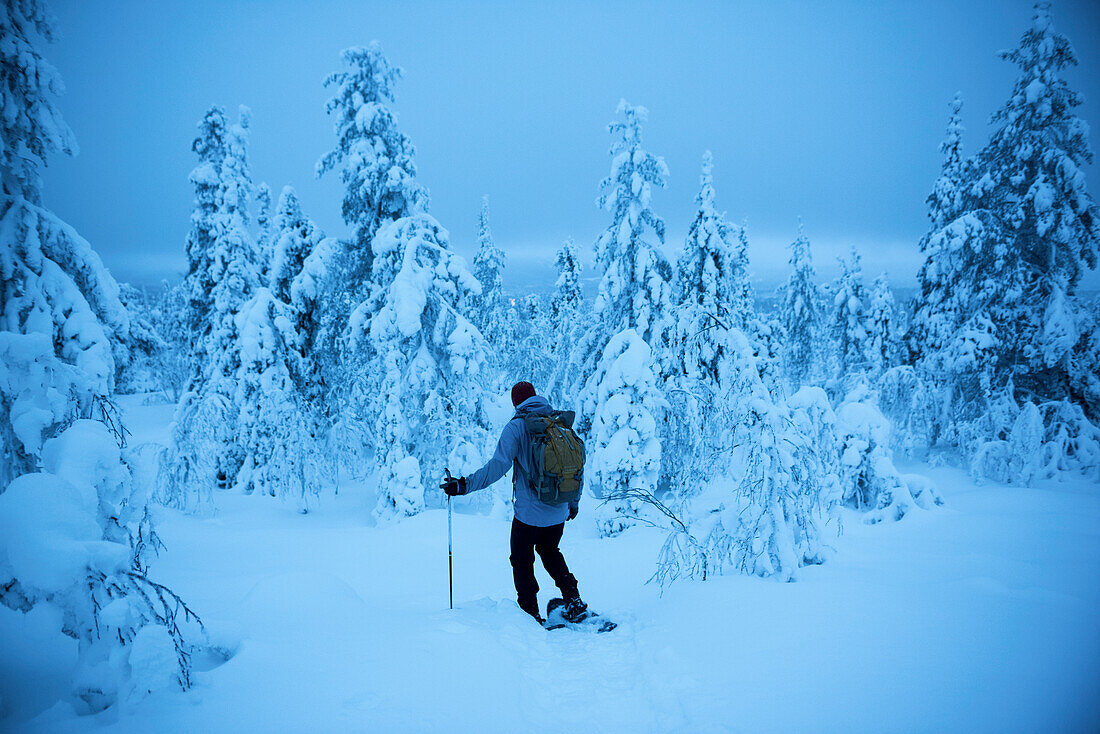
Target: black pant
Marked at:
526, 540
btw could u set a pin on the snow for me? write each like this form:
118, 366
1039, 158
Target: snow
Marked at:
979, 617
50, 537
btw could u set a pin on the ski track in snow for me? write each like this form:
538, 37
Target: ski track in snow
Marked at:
978, 616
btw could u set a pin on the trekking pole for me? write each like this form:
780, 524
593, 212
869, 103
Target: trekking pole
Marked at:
450, 562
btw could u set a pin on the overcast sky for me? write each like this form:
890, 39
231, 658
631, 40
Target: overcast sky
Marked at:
829, 111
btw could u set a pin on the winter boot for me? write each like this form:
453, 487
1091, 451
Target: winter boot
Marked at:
532, 608
575, 610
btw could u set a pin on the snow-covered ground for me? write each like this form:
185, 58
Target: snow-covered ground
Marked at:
978, 616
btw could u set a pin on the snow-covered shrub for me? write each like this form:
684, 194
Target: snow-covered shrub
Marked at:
767, 515
870, 483
769, 519
1043, 441
402, 489
1016, 458
815, 421
72, 536
1071, 442
192, 462
625, 406
74, 532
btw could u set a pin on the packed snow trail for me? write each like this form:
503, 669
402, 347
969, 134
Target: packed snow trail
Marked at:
979, 616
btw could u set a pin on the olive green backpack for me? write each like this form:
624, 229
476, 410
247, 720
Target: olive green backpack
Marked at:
557, 456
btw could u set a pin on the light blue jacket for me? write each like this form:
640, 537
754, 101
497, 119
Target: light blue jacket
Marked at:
515, 446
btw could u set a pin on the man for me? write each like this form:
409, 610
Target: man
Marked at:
537, 526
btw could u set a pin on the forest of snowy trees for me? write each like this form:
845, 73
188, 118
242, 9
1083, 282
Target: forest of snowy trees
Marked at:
296, 358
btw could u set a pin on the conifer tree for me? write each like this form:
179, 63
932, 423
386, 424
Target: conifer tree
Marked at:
801, 312
375, 161
634, 298
998, 304
374, 158
565, 315
711, 280
200, 460
264, 228
568, 295
488, 311
1035, 185
425, 359
851, 339
882, 343
635, 289
743, 298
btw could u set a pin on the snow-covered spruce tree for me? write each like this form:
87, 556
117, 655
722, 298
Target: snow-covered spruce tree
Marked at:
374, 158
635, 288
710, 301
1034, 183
264, 228
530, 349
568, 296
375, 162
204, 453
706, 277
801, 313
998, 301
489, 310
283, 447
567, 307
300, 264
882, 342
625, 404
848, 321
74, 530
294, 238
425, 358
210, 145
282, 427
951, 339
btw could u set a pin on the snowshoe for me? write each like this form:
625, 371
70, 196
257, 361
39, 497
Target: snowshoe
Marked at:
575, 615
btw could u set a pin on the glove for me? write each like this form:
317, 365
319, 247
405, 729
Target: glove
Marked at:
573, 512
454, 487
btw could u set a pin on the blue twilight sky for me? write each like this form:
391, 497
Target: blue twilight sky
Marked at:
831, 111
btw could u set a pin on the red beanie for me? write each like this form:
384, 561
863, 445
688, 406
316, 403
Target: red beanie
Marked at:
521, 391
